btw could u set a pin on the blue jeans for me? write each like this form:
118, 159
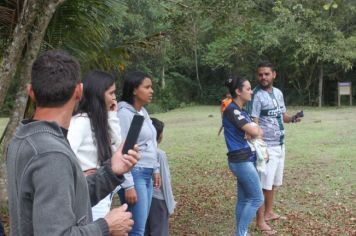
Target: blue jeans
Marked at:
249, 194
143, 185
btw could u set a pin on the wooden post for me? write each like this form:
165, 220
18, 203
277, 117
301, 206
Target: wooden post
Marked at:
338, 95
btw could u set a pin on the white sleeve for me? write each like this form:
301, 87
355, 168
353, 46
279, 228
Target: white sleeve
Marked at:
115, 130
125, 121
282, 104
129, 182
76, 133
256, 107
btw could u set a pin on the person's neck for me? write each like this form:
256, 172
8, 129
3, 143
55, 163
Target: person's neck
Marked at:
239, 103
137, 106
268, 89
61, 115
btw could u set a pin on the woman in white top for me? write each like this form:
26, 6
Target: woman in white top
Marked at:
94, 131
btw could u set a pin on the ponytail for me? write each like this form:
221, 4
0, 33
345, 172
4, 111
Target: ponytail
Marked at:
233, 83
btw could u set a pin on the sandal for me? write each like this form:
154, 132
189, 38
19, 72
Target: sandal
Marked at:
268, 232
276, 217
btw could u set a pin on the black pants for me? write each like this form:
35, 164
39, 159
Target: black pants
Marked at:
157, 221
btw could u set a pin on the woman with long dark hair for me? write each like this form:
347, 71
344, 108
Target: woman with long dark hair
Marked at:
94, 131
137, 189
238, 128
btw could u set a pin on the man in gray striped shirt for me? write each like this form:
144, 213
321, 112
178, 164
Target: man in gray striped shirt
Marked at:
269, 111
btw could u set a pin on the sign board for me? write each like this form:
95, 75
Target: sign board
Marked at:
344, 88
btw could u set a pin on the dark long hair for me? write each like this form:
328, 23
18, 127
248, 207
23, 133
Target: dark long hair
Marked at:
159, 125
132, 81
93, 103
233, 83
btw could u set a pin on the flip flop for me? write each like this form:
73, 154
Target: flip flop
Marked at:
268, 232
277, 217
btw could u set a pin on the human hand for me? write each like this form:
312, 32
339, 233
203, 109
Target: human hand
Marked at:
156, 180
297, 117
267, 156
248, 137
131, 196
122, 163
119, 221
113, 106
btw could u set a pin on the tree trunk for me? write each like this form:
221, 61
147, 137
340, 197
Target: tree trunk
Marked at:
163, 80
196, 58
14, 51
38, 32
321, 78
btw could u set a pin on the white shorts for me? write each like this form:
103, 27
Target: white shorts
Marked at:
274, 168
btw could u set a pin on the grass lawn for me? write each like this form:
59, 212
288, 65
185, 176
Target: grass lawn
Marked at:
319, 192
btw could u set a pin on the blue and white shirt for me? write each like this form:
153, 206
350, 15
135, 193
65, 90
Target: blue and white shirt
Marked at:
269, 107
238, 148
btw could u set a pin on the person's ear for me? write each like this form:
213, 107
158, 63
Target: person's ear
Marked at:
238, 92
30, 93
274, 74
78, 92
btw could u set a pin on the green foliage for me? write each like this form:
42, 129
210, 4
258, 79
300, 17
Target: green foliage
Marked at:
167, 38
84, 28
178, 92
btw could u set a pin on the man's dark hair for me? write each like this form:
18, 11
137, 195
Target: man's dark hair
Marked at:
54, 77
159, 125
132, 81
266, 64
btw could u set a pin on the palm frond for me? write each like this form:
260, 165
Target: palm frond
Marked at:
84, 28
9, 16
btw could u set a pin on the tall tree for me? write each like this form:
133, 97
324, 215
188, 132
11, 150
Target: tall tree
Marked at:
29, 32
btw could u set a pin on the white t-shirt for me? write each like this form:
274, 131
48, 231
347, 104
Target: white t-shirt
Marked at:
81, 139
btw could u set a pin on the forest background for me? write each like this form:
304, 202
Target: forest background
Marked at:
188, 47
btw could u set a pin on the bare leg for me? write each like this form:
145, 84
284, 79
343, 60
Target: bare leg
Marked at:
260, 219
269, 214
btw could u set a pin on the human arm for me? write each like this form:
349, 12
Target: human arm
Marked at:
253, 130
111, 173
125, 119
156, 180
241, 121
292, 119
287, 118
115, 129
166, 182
